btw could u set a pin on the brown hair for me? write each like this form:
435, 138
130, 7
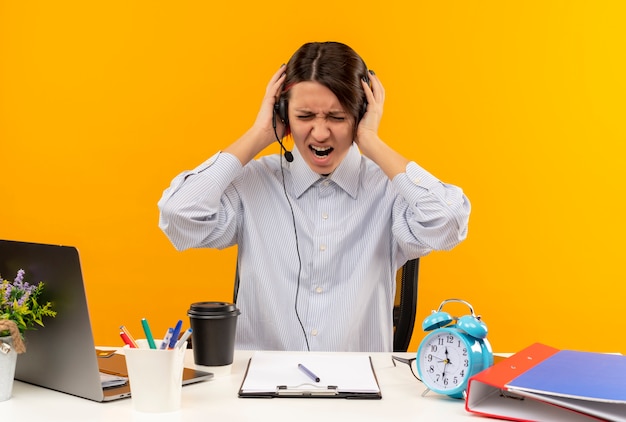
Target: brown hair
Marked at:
334, 65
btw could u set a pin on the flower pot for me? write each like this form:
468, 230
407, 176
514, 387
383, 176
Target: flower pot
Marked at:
8, 358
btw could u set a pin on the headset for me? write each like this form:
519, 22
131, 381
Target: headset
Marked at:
280, 113
282, 105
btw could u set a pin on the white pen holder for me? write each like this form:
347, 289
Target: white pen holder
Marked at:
155, 377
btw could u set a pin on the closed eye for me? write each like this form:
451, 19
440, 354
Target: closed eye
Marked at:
333, 117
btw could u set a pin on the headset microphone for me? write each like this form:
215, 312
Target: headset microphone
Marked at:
288, 154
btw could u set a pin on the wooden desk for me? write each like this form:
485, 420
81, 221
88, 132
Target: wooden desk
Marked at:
216, 400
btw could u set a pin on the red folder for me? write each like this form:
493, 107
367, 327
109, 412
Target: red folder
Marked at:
541, 383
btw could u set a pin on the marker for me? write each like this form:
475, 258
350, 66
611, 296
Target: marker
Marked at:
166, 340
183, 338
175, 334
126, 340
129, 337
146, 329
308, 372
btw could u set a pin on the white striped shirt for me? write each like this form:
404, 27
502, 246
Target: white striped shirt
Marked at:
354, 229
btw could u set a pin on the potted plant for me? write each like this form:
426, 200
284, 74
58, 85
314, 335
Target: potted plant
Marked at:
20, 310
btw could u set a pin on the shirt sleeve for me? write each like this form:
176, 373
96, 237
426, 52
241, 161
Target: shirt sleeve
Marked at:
433, 213
200, 207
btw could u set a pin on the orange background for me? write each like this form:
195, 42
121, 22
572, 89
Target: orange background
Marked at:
522, 104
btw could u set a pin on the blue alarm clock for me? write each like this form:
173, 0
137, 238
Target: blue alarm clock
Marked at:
455, 349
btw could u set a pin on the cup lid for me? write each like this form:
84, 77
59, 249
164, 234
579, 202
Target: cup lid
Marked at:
210, 310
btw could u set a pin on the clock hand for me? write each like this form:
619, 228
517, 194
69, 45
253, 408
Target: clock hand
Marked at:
447, 357
446, 361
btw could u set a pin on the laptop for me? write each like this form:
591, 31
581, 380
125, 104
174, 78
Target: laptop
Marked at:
62, 355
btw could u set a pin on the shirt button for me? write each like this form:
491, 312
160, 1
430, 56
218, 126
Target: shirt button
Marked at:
325, 215
319, 289
314, 332
326, 183
322, 248
416, 181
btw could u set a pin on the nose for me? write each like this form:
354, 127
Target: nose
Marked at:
320, 130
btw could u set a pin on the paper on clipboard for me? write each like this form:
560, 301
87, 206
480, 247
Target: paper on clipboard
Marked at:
276, 374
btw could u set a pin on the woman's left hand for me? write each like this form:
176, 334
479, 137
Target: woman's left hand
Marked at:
375, 95
367, 139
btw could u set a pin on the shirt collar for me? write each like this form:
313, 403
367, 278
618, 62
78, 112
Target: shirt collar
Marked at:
346, 175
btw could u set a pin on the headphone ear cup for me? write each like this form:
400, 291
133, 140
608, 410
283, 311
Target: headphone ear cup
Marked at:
363, 110
364, 106
282, 110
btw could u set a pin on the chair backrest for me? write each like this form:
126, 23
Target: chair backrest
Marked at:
404, 307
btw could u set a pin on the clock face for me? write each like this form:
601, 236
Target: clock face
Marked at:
444, 362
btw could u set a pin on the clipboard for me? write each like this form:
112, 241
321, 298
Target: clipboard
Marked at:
276, 374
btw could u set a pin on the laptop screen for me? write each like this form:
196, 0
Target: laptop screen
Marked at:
62, 355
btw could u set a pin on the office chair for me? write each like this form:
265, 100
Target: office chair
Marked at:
404, 307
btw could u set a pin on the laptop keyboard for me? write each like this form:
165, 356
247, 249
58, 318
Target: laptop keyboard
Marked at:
109, 380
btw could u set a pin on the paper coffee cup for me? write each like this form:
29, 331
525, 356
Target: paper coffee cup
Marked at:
214, 326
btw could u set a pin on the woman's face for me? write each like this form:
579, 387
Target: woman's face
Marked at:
321, 129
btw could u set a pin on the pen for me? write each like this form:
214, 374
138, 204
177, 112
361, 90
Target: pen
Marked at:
308, 372
175, 334
146, 329
130, 338
126, 340
166, 340
183, 338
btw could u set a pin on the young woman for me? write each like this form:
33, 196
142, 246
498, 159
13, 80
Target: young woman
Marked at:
322, 229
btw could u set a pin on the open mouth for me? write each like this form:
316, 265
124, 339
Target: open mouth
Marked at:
321, 151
